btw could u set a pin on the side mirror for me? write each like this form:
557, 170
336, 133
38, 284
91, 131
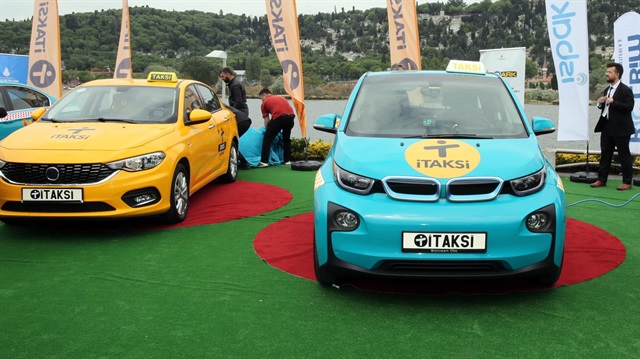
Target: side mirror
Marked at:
3, 112
327, 123
542, 126
37, 113
198, 116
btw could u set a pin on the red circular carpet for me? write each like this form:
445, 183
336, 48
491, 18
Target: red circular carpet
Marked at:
589, 253
217, 203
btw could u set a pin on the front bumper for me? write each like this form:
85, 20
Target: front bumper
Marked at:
374, 248
111, 198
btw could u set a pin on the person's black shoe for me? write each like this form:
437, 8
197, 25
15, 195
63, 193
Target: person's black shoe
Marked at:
244, 166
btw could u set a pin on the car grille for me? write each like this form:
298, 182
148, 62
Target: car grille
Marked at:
444, 268
35, 174
428, 189
51, 207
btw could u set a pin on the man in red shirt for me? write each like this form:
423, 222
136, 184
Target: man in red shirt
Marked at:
281, 120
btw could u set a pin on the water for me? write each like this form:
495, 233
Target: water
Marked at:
549, 143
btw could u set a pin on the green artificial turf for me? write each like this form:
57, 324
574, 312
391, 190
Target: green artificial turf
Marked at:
110, 291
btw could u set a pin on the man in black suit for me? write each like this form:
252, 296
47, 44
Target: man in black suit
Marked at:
616, 126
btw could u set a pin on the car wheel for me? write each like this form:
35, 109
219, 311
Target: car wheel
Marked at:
179, 196
323, 276
232, 168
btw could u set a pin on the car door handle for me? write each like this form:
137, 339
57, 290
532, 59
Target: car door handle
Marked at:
212, 126
226, 119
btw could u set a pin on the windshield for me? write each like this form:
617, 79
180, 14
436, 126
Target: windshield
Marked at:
434, 105
131, 104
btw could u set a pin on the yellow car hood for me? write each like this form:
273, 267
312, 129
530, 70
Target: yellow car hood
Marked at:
84, 136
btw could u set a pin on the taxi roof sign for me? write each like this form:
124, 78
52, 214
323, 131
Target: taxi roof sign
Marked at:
467, 67
162, 77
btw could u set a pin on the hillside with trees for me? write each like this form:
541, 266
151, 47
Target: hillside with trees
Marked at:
337, 46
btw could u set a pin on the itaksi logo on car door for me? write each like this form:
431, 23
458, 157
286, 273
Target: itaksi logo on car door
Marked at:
442, 158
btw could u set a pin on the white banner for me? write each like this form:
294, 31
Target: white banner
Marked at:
568, 34
510, 63
626, 31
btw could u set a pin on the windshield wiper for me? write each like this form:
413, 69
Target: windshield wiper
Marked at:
455, 135
102, 119
52, 120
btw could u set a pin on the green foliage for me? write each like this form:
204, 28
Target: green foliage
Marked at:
158, 68
265, 78
278, 86
567, 158
200, 68
253, 67
317, 150
539, 95
531, 69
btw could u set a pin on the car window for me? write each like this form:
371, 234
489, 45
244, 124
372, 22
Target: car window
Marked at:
434, 104
212, 103
23, 98
136, 104
191, 99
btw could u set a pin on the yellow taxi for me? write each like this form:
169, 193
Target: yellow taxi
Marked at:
119, 148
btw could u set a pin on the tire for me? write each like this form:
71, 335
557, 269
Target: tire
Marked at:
323, 276
179, 196
232, 167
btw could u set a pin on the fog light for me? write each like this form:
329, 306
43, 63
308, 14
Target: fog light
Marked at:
141, 197
537, 221
145, 198
347, 220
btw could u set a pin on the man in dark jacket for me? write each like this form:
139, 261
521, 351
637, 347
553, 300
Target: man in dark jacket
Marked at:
237, 93
244, 122
616, 127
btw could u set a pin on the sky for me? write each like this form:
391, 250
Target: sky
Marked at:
23, 9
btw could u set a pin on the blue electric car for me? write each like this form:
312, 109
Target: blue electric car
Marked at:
437, 174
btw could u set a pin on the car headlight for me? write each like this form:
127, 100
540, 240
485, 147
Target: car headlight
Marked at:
138, 163
530, 184
352, 182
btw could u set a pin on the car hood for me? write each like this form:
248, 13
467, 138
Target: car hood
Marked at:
84, 136
438, 158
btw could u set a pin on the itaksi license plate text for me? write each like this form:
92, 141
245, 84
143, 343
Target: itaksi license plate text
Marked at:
445, 242
52, 195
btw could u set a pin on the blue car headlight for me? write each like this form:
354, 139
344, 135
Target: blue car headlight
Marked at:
138, 163
530, 184
352, 182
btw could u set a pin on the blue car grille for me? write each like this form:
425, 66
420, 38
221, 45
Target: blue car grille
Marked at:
422, 189
35, 174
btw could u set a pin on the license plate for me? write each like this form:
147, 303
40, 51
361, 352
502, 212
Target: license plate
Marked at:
52, 195
444, 242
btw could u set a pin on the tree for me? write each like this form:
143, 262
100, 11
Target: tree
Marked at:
265, 78
253, 67
531, 69
200, 68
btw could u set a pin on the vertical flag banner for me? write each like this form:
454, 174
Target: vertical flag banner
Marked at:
404, 40
510, 63
285, 37
626, 32
123, 62
45, 64
568, 34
